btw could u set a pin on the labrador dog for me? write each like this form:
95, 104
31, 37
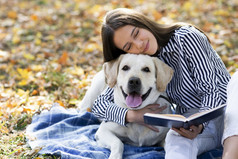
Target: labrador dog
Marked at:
137, 80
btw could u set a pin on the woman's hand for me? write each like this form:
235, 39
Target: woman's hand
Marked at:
137, 116
191, 133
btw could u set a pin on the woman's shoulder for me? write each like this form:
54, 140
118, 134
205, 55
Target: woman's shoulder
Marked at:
186, 29
188, 32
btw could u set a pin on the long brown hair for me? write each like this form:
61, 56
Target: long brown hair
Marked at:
120, 17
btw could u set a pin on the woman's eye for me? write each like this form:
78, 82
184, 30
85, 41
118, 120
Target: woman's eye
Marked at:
125, 68
146, 69
136, 33
129, 47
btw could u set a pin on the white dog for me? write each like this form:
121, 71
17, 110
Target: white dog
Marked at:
138, 80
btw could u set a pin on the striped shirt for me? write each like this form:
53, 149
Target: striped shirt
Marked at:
199, 81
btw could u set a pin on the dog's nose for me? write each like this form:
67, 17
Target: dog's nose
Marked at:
134, 84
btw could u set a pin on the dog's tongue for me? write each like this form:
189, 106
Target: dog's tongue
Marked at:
133, 100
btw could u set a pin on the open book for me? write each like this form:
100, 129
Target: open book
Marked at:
178, 121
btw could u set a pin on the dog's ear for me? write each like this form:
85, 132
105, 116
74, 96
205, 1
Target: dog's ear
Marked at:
111, 70
164, 74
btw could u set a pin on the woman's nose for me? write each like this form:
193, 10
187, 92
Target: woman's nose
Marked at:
138, 44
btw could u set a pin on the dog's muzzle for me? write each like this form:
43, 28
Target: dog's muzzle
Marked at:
134, 98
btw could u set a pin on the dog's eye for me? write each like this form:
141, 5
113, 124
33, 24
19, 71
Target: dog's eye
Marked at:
125, 68
146, 69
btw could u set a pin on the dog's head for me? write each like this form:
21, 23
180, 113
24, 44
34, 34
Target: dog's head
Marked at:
138, 79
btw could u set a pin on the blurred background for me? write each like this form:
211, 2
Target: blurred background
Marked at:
51, 49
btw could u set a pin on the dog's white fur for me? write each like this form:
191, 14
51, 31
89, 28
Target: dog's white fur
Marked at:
117, 74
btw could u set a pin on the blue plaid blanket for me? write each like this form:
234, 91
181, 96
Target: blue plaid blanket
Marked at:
70, 134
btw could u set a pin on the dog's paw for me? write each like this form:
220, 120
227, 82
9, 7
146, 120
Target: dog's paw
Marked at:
115, 156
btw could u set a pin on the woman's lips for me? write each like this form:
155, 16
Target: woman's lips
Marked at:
146, 47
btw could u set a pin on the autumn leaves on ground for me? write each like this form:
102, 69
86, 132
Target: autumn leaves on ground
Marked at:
50, 50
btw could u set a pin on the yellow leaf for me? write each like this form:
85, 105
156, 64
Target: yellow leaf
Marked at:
187, 6
16, 30
60, 103
23, 82
24, 73
9, 104
38, 35
87, 24
157, 15
22, 93
228, 43
78, 71
91, 47
34, 17
141, 1
37, 41
2, 77
83, 84
50, 37
73, 101
221, 13
58, 4
95, 9
12, 14
172, 15
16, 39
37, 68
3, 35
3, 129
28, 56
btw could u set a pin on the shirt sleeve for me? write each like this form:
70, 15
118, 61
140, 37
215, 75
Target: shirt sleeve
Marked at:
201, 57
105, 108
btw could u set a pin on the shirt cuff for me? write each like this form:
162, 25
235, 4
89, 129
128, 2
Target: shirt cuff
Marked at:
116, 114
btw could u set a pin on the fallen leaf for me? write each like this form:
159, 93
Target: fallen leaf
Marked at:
60, 103
12, 14
63, 59
34, 92
91, 47
157, 15
28, 56
4, 56
34, 17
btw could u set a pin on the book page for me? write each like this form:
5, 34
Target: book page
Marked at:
167, 116
174, 115
196, 115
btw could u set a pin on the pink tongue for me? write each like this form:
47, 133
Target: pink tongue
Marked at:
133, 100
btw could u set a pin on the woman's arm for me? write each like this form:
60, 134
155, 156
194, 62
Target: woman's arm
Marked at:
208, 72
206, 68
230, 148
105, 108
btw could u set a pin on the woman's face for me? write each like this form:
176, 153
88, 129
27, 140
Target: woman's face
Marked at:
135, 40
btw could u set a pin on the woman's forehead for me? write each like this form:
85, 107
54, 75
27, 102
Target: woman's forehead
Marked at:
121, 35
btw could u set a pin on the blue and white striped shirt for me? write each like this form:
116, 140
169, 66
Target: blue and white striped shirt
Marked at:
199, 81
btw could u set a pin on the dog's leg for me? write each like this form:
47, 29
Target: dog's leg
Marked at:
97, 86
108, 139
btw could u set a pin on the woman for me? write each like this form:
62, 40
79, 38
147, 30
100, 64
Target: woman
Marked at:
199, 81
230, 136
